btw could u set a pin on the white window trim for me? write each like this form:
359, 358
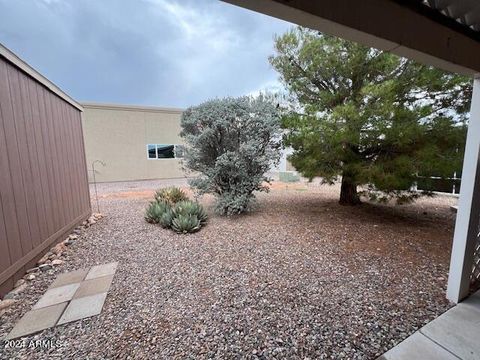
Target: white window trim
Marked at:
156, 152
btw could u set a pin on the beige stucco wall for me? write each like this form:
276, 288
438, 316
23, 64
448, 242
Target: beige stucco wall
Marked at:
118, 135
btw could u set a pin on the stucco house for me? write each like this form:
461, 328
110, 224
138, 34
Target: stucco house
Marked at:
129, 142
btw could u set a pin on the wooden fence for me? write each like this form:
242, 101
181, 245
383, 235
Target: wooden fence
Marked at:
43, 178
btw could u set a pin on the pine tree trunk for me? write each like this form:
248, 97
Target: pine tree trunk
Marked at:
348, 192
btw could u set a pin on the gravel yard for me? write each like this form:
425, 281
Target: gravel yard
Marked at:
301, 277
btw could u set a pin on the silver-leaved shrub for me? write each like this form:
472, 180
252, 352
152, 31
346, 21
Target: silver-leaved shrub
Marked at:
231, 145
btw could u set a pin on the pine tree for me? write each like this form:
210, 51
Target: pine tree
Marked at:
370, 117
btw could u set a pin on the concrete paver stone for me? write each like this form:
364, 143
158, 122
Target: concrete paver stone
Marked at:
83, 307
57, 295
102, 270
37, 320
94, 286
72, 296
71, 277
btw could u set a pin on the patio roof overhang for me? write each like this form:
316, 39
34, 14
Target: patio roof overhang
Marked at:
442, 33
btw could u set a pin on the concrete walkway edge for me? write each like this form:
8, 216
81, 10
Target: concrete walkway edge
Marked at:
451, 336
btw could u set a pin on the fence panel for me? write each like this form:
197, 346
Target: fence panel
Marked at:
43, 177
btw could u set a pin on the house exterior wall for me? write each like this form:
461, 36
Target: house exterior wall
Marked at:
118, 136
284, 164
44, 191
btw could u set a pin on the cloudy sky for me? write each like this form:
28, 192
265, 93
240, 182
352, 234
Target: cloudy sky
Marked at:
172, 53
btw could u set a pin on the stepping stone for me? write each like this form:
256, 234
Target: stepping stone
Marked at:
83, 307
94, 286
69, 278
37, 320
101, 270
57, 295
72, 296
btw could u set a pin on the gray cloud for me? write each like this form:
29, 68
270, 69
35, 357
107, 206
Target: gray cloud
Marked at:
158, 52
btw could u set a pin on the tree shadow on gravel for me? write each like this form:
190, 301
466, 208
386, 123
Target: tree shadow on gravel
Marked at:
417, 214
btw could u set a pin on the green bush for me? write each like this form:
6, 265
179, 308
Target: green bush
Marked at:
232, 144
171, 195
172, 209
185, 223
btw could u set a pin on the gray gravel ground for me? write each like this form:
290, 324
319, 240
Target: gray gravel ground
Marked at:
301, 277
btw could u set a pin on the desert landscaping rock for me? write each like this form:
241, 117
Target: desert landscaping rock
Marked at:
45, 267
19, 282
68, 242
59, 249
301, 277
14, 293
57, 262
6, 303
44, 258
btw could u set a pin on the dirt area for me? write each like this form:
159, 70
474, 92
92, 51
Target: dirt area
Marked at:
300, 277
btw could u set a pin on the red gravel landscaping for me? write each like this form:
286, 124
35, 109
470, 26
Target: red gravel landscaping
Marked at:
300, 277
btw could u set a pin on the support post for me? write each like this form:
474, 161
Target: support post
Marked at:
468, 214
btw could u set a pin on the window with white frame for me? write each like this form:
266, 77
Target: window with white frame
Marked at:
164, 151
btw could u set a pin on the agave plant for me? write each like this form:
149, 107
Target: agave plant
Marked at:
172, 209
166, 219
186, 224
183, 207
191, 208
171, 195
154, 212
200, 213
